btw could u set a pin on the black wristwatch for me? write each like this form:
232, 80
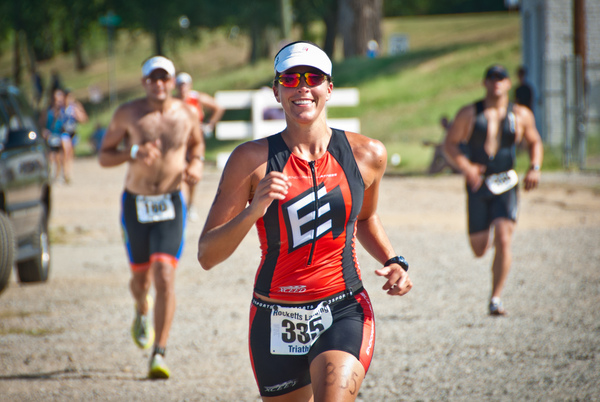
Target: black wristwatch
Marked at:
397, 260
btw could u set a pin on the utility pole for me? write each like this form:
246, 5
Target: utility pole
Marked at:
111, 21
579, 30
579, 37
286, 18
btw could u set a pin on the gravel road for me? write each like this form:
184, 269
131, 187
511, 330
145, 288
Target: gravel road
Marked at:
68, 339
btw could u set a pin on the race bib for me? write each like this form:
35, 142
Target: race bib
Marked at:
502, 182
54, 140
294, 330
154, 208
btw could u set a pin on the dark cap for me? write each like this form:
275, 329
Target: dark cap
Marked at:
496, 71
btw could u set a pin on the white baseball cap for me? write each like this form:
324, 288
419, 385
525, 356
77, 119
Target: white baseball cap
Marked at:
302, 54
183, 78
156, 63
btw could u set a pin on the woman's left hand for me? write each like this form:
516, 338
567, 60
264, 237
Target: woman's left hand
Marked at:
398, 283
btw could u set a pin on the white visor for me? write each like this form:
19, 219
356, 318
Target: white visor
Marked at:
302, 54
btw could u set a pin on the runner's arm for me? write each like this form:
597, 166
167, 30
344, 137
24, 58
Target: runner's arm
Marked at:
457, 134
80, 114
195, 152
535, 147
110, 154
372, 158
216, 110
230, 217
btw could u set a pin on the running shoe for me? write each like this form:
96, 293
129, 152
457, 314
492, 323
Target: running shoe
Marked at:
142, 329
158, 368
497, 309
193, 215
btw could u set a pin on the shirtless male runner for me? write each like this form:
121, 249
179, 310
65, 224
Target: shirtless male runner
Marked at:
158, 131
481, 143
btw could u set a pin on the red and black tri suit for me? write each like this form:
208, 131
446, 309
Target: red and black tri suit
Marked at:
308, 239
308, 254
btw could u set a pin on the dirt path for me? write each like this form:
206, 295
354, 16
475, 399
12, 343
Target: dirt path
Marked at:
68, 339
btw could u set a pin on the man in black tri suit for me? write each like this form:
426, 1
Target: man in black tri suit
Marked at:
481, 143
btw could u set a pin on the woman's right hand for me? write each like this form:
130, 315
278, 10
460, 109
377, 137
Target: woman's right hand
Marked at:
274, 186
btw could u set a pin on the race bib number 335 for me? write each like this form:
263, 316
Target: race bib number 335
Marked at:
294, 330
154, 208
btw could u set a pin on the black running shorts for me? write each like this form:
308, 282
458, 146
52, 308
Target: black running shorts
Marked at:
352, 330
155, 240
484, 207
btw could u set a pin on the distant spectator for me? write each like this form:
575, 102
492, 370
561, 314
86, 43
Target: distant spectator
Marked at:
445, 123
74, 114
55, 83
52, 122
439, 162
524, 92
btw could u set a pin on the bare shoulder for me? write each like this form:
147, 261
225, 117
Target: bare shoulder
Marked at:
466, 113
130, 110
523, 112
370, 155
178, 103
365, 148
181, 107
249, 158
460, 128
526, 128
203, 96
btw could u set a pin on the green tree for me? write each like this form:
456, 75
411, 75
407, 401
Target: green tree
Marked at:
360, 22
309, 11
393, 8
161, 18
260, 19
31, 30
82, 16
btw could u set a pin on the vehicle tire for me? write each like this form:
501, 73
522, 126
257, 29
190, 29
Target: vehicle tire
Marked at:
7, 250
37, 269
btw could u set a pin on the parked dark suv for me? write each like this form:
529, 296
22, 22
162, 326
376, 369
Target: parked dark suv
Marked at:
24, 191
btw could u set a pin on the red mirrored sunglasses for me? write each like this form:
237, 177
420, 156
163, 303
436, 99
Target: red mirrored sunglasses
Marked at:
292, 80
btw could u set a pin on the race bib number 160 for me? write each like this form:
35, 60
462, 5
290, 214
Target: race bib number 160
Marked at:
294, 330
154, 208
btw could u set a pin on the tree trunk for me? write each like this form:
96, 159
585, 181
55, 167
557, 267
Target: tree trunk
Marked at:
158, 45
30, 55
359, 22
331, 29
346, 26
156, 26
80, 64
17, 60
79, 60
255, 43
